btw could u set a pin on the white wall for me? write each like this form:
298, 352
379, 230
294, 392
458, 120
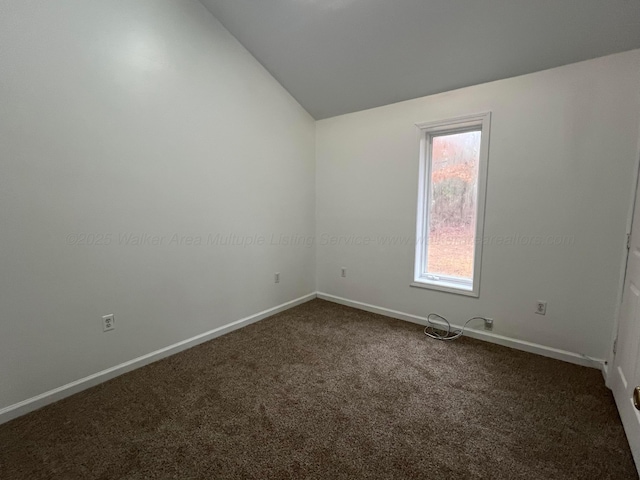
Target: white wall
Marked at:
562, 157
145, 118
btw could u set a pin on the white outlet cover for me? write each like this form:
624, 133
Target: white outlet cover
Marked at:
108, 322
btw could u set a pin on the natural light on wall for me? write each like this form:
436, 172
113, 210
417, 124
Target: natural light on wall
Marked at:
453, 168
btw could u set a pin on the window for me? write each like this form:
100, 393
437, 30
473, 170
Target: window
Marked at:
451, 194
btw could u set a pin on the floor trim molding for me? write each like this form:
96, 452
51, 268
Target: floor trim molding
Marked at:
39, 401
543, 350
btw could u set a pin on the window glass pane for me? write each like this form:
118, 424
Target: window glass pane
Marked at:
452, 210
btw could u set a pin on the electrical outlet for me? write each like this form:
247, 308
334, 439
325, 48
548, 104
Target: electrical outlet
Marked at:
541, 307
276, 277
343, 272
108, 322
488, 323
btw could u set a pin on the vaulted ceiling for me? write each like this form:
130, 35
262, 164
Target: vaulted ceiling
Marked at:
340, 56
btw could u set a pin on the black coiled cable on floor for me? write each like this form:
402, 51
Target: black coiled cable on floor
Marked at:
432, 331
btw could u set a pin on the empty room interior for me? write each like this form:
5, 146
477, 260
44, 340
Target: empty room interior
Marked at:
319, 239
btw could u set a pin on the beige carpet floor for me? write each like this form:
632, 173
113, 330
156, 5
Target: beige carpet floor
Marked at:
324, 391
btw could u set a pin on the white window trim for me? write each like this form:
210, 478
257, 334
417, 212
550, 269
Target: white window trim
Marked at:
480, 121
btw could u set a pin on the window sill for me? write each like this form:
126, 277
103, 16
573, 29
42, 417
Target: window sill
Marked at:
445, 287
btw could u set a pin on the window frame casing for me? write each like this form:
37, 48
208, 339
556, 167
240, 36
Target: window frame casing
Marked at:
426, 132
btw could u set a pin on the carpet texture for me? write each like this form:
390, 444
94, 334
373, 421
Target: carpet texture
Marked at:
324, 391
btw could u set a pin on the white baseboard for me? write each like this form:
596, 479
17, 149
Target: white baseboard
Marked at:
605, 374
543, 350
33, 403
